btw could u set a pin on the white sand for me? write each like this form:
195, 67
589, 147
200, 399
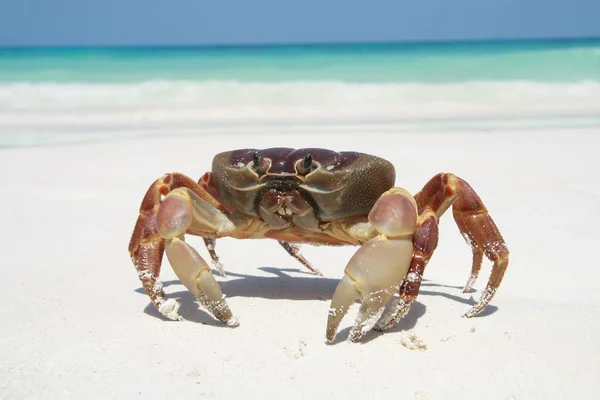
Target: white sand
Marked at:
76, 323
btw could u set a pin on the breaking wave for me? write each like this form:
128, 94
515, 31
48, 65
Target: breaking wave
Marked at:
52, 113
197, 101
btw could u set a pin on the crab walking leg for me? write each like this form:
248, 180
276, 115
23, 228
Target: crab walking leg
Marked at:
210, 244
476, 225
376, 270
146, 249
146, 246
424, 243
294, 251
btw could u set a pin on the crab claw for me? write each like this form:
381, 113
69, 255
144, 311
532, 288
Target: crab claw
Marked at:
376, 270
182, 209
373, 276
195, 274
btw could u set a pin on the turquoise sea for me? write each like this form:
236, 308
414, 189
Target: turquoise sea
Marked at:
75, 89
542, 60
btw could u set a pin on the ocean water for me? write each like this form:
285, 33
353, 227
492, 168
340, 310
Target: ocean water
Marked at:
50, 95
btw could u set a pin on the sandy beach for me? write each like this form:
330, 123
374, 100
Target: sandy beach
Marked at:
77, 324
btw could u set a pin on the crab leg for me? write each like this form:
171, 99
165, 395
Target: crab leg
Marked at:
161, 227
210, 244
146, 249
294, 251
476, 225
379, 266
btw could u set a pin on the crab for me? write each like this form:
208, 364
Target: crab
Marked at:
314, 196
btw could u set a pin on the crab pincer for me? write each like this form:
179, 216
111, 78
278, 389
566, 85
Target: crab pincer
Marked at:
379, 266
181, 210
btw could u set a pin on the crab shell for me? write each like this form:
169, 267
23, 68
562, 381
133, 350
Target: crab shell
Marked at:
334, 184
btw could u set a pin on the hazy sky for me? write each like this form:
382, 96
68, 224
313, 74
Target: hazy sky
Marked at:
122, 22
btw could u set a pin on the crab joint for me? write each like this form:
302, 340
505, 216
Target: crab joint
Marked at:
395, 213
182, 208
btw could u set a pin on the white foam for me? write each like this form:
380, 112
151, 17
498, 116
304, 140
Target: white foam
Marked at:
214, 97
37, 111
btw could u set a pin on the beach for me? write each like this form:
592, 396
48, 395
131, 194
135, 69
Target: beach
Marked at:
77, 156
77, 323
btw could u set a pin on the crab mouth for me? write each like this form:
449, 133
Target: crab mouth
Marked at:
283, 184
285, 197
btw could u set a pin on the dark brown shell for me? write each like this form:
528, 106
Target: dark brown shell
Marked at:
340, 184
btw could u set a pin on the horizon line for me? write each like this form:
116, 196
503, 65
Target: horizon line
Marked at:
306, 44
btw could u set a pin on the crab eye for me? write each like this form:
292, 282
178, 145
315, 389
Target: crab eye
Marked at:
305, 166
260, 165
307, 162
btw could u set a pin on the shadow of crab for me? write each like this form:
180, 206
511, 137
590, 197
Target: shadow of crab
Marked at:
284, 286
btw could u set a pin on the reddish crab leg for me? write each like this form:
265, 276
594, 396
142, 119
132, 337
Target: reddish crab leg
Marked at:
146, 249
294, 251
210, 244
476, 225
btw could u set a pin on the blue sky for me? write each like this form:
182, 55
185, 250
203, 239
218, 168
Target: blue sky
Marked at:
144, 22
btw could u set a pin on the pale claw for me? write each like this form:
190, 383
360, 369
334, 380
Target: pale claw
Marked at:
345, 294
370, 312
372, 275
195, 274
376, 270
